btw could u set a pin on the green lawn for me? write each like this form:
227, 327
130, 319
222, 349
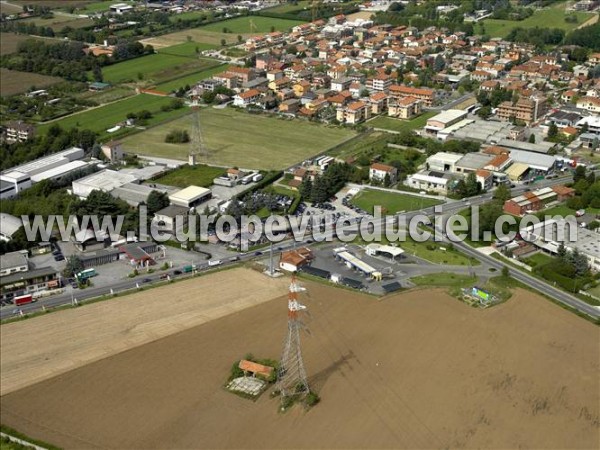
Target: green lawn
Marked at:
564, 210
552, 17
105, 117
199, 175
244, 25
190, 79
390, 123
108, 95
595, 291
539, 259
391, 202
157, 68
236, 138
444, 279
432, 251
188, 49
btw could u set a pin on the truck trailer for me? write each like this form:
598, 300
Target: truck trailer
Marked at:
24, 300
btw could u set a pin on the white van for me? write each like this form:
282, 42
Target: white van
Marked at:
216, 262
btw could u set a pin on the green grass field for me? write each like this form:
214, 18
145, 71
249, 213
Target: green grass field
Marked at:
391, 202
190, 79
155, 68
108, 95
188, 49
564, 210
244, 25
539, 259
237, 138
389, 123
105, 117
552, 17
444, 279
595, 291
199, 175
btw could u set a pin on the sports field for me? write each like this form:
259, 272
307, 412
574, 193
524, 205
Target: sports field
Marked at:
418, 370
252, 24
551, 17
390, 123
15, 82
190, 79
102, 118
155, 68
240, 139
391, 202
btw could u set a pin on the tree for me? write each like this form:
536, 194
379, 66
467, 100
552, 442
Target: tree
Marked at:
439, 63
532, 138
74, 265
485, 112
157, 201
240, 38
223, 42
97, 72
505, 272
502, 193
552, 131
579, 174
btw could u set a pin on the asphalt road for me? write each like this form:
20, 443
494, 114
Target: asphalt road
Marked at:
446, 210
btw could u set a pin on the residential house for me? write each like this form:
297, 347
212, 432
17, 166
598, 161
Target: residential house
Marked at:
379, 172
246, 98
18, 131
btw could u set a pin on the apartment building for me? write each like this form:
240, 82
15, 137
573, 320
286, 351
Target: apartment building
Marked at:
526, 109
354, 113
427, 96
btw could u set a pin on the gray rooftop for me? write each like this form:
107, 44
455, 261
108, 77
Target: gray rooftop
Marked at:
30, 274
9, 224
475, 161
12, 259
538, 147
483, 131
534, 160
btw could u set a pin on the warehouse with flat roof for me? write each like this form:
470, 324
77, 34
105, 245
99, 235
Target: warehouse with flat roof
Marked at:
190, 196
105, 180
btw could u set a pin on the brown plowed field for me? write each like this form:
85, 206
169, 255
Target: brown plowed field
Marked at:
416, 370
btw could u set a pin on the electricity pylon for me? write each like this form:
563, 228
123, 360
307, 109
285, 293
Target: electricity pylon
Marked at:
291, 379
197, 146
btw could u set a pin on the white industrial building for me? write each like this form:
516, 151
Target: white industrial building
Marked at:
535, 161
428, 183
547, 236
190, 196
9, 225
51, 167
105, 180
444, 161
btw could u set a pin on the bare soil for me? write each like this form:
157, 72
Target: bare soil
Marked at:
414, 370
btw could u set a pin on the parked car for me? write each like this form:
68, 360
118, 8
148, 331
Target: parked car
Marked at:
146, 280
177, 272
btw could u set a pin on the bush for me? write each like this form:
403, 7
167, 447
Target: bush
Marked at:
177, 137
312, 399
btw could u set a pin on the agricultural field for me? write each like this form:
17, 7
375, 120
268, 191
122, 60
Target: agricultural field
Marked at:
58, 22
191, 79
9, 42
551, 17
391, 202
199, 175
54, 3
284, 8
187, 49
104, 117
424, 382
390, 123
251, 24
108, 95
241, 139
98, 6
155, 68
200, 35
9, 8
15, 82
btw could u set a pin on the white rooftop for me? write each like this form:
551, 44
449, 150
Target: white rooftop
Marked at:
534, 160
189, 194
445, 157
53, 160
449, 116
56, 172
106, 180
9, 224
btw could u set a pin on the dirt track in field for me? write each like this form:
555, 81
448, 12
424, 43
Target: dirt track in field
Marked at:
416, 370
39, 348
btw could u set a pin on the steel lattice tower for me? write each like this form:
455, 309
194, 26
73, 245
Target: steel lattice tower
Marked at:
291, 380
197, 146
